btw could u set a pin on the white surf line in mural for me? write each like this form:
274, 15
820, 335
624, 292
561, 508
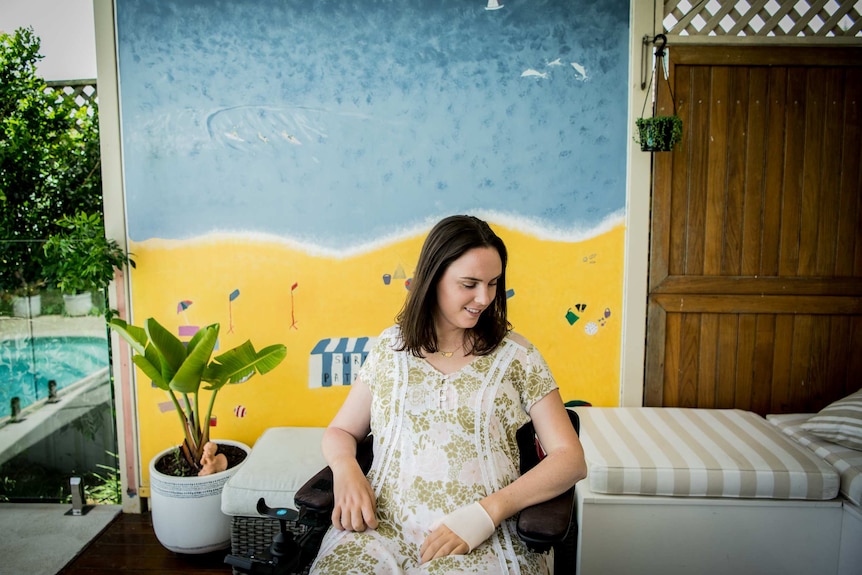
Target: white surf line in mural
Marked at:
544, 231
524, 224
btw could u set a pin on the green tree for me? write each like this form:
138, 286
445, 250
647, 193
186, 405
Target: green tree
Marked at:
49, 162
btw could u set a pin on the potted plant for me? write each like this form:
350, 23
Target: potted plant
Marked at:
27, 301
658, 133
79, 259
185, 500
21, 277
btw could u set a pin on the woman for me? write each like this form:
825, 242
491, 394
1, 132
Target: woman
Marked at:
444, 392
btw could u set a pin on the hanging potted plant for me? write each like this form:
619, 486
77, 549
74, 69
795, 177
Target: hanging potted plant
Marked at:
79, 260
658, 133
186, 480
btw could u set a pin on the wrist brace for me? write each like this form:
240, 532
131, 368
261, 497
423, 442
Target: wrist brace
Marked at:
471, 523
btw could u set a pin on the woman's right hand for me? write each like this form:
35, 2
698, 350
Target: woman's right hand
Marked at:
355, 504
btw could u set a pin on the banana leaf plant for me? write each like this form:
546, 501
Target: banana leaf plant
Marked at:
181, 369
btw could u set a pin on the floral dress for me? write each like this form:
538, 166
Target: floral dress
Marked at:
440, 442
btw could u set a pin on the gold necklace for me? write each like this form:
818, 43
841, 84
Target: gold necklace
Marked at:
450, 353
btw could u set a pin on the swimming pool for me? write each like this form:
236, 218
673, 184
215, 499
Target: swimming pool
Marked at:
28, 364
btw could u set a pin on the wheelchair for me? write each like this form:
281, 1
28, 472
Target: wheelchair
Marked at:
548, 525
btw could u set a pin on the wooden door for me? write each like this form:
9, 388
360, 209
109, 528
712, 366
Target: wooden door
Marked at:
755, 282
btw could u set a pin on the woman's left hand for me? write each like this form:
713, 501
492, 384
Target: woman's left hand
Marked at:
442, 542
458, 533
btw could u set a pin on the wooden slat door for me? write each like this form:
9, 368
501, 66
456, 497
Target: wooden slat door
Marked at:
755, 282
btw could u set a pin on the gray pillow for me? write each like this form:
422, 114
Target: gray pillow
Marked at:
839, 422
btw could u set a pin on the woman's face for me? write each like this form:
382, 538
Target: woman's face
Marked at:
467, 288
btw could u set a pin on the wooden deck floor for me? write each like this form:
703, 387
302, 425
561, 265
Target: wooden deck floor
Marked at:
129, 546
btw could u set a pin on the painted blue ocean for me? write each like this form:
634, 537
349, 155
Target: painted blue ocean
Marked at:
336, 123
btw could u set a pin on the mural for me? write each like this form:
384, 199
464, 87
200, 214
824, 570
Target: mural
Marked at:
284, 159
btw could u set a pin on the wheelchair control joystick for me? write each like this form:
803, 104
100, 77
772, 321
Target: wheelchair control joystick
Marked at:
288, 553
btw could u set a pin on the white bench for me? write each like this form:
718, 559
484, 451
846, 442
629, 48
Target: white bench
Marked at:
681, 491
848, 463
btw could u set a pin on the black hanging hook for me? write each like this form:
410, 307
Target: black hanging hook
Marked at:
660, 41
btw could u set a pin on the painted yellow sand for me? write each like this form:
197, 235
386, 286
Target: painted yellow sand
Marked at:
553, 282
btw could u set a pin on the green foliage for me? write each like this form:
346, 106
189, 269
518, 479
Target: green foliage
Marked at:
49, 162
658, 133
106, 488
79, 258
181, 369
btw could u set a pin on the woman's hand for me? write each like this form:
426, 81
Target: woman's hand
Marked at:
355, 504
458, 533
442, 542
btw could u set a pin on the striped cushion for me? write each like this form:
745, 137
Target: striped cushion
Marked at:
839, 422
847, 461
698, 453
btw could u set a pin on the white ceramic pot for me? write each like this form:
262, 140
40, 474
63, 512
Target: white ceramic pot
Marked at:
186, 511
78, 304
23, 306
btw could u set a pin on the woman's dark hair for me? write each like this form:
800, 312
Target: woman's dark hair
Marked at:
447, 241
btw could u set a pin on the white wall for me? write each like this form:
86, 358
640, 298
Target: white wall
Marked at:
66, 29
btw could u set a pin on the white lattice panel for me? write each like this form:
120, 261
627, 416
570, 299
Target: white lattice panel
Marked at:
794, 18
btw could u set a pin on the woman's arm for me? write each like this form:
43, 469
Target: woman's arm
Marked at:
355, 505
562, 467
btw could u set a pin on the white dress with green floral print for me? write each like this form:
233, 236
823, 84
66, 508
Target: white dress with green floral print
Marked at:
440, 442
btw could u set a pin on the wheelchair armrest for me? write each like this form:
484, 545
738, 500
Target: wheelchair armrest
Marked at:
316, 495
545, 524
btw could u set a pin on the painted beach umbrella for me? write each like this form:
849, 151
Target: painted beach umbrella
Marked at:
182, 307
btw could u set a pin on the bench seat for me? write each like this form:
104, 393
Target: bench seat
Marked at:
680, 452
709, 491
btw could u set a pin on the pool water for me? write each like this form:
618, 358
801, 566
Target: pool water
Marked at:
28, 364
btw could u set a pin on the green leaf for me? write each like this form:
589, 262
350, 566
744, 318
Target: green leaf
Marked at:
134, 335
187, 378
200, 335
168, 346
242, 362
269, 357
152, 371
